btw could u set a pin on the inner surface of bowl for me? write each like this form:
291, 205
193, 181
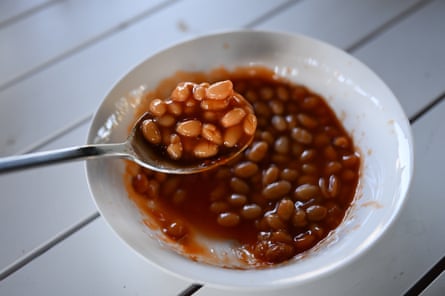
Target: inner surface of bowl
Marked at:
363, 103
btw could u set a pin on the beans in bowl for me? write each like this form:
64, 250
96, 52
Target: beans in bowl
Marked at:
280, 197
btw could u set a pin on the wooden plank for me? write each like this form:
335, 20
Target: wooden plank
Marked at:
39, 203
81, 80
409, 57
403, 55
13, 10
43, 36
340, 22
91, 262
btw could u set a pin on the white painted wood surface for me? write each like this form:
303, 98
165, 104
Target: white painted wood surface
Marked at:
82, 52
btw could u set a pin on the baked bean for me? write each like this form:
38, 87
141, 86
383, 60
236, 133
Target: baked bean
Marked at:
199, 92
211, 133
299, 219
334, 185
239, 186
279, 123
307, 121
205, 149
310, 103
251, 95
250, 124
317, 230
166, 120
333, 167
334, 215
308, 155
276, 107
281, 236
270, 175
299, 93
331, 187
233, 117
350, 161
330, 153
274, 222
297, 149
306, 191
219, 206
189, 128
157, 107
282, 94
228, 219
214, 105
301, 135
267, 137
285, 209
266, 93
181, 92
175, 108
237, 200
174, 150
175, 230
341, 142
288, 174
140, 183
321, 140
245, 169
277, 190
210, 116
251, 211
151, 131
309, 169
232, 135
304, 242
316, 213
220, 90
282, 145
191, 103
170, 186
262, 110
153, 188
291, 121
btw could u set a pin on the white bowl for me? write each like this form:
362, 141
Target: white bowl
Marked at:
367, 108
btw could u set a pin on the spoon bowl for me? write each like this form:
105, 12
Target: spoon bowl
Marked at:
135, 148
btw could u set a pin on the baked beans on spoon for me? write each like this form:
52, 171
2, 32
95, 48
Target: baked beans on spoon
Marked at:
199, 127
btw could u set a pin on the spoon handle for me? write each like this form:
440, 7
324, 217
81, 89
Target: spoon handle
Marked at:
17, 162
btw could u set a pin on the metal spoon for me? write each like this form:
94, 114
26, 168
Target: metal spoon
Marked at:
135, 148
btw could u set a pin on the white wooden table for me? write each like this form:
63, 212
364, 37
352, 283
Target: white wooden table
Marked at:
59, 58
